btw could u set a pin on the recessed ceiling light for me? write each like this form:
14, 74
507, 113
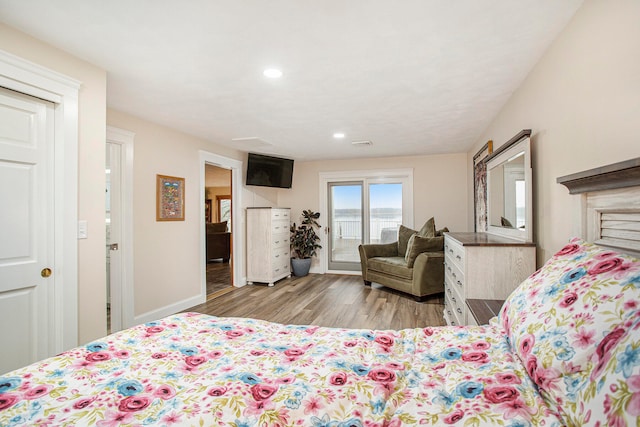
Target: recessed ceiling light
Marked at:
338, 135
272, 73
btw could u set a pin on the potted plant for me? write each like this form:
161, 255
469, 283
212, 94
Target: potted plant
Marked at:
304, 242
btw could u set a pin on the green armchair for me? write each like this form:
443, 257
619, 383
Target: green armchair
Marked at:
414, 264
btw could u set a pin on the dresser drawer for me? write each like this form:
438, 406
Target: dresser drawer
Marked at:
452, 313
280, 240
454, 253
280, 214
279, 227
454, 278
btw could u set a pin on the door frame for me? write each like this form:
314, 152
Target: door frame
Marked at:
237, 219
327, 177
31, 79
122, 315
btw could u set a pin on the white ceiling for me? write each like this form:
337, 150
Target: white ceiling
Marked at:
413, 76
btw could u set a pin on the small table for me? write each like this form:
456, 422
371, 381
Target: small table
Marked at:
483, 310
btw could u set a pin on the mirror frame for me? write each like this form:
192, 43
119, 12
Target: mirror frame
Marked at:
518, 144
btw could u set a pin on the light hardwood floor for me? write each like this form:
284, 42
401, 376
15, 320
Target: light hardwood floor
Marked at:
327, 300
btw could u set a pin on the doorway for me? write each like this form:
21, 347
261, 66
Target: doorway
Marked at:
360, 213
119, 228
362, 207
218, 229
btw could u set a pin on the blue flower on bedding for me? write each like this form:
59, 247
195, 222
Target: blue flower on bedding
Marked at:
360, 369
97, 346
281, 348
189, 351
413, 378
519, 424
573, 275
171, 375
368, 336
130, 388
627, 360
462, 334
443, 398
9, 383
244, 423
292, 403
451, 353
225, 327
573, 384
340, 364
377, 406
553, 290
154, 323
635, 281
469, 389
58, 373
249, 378
430, 358
325, 421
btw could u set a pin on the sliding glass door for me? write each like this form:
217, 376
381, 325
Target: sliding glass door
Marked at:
361, 211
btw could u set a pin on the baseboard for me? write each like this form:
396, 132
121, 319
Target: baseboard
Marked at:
169, 309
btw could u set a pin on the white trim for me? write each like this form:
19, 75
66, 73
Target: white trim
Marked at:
370, 177
125, 139
168, 310
34, 80
237, 220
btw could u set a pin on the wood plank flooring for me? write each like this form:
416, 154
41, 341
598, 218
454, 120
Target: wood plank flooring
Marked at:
327, 300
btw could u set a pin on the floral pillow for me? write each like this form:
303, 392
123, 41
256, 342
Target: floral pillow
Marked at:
559, 317
612, 397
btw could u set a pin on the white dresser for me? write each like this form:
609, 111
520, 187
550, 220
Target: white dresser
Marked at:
482, 266
268, 254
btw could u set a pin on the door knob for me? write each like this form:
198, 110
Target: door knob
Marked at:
113, 247
46, 272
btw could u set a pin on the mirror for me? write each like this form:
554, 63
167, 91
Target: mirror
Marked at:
509, 190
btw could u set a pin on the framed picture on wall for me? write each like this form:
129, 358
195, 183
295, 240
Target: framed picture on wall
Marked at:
480, 187
169, 198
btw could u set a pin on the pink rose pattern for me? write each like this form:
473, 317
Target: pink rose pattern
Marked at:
193, 369
564, 351
566, 324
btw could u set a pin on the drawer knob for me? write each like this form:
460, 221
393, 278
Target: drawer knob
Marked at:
459, 310
458, 257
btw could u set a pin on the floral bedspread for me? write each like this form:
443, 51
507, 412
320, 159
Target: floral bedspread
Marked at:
197, 370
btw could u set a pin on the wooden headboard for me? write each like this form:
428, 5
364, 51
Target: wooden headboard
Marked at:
610, 204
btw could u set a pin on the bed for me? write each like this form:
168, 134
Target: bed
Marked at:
565, 350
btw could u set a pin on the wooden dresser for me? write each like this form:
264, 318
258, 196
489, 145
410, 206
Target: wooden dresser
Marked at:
268, 253
482, 266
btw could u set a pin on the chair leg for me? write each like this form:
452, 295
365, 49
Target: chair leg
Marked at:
367, 282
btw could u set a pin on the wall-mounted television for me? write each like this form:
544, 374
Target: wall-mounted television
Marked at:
268, 171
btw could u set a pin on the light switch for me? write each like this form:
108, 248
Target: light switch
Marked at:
82, 229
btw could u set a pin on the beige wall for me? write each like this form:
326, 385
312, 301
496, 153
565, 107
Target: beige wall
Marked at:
91, 202
439, 185
582, 102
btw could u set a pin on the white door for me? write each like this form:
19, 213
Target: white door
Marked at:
26, 229
114, 237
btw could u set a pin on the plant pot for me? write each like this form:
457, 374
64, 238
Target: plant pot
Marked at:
300, 266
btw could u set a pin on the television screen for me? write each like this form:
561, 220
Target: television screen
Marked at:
267, 171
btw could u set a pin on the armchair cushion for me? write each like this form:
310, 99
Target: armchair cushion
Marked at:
393, 266
404, 234
418, 244
429, 228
